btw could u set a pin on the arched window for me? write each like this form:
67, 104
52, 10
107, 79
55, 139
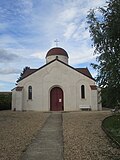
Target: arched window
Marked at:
30, 92
83, 91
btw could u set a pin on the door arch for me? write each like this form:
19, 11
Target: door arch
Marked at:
56, 99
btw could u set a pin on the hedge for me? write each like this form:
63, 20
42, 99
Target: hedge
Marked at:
5, 100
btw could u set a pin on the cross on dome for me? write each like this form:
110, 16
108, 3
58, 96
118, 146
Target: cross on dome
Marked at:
56, 42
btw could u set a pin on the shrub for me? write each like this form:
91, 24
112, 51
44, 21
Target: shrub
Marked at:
5, 100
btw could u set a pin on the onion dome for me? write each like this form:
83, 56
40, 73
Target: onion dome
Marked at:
58, 52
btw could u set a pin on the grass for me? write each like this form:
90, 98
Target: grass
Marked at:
112, 125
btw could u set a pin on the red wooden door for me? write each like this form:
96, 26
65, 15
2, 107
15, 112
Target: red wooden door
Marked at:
56, 99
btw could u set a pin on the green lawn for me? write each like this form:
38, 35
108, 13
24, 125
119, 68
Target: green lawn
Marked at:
112, 125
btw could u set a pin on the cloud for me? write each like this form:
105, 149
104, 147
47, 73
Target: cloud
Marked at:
67, 15
7, 57
2, 86
72, 18
9, 71
3, 26
70, 30
39, 55
83, 55
11, 78
28, 29
6, 86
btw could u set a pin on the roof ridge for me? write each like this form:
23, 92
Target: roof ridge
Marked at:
87, 74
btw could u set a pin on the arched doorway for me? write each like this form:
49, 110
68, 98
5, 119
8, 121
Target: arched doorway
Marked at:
56, 99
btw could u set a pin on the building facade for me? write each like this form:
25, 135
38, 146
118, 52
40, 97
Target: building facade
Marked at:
56, 86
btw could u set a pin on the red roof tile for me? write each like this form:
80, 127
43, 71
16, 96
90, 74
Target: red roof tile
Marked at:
93, 87
84, 71
28, 72
57, 51
19, 88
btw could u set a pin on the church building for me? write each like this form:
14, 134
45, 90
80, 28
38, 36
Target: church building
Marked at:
56, 86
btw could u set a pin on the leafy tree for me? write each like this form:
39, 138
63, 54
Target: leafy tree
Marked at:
104, 27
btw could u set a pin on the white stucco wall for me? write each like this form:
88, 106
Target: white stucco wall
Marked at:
99, 99
94, 100
57, 74
60, 57
17, 100
13, 99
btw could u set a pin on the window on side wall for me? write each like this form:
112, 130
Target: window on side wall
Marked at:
83, 92
30, 92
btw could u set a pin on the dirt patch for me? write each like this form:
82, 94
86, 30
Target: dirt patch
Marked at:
84, 139
16, 131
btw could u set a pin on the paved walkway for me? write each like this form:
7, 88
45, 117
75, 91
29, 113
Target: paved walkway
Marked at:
48, 144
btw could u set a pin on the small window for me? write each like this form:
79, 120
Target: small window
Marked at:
30, 92
83, 91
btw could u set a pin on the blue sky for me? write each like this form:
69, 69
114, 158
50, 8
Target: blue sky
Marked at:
28, 29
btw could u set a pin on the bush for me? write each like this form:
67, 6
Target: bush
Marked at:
5, 100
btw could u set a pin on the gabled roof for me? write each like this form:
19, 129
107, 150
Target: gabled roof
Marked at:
83, 71
28, 72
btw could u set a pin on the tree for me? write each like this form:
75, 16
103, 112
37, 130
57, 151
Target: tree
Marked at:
104, 27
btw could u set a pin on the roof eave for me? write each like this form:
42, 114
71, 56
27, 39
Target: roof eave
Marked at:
60, 62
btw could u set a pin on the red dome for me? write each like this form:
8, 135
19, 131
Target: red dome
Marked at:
57, 51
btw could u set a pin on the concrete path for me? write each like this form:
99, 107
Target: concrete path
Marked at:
48, 144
